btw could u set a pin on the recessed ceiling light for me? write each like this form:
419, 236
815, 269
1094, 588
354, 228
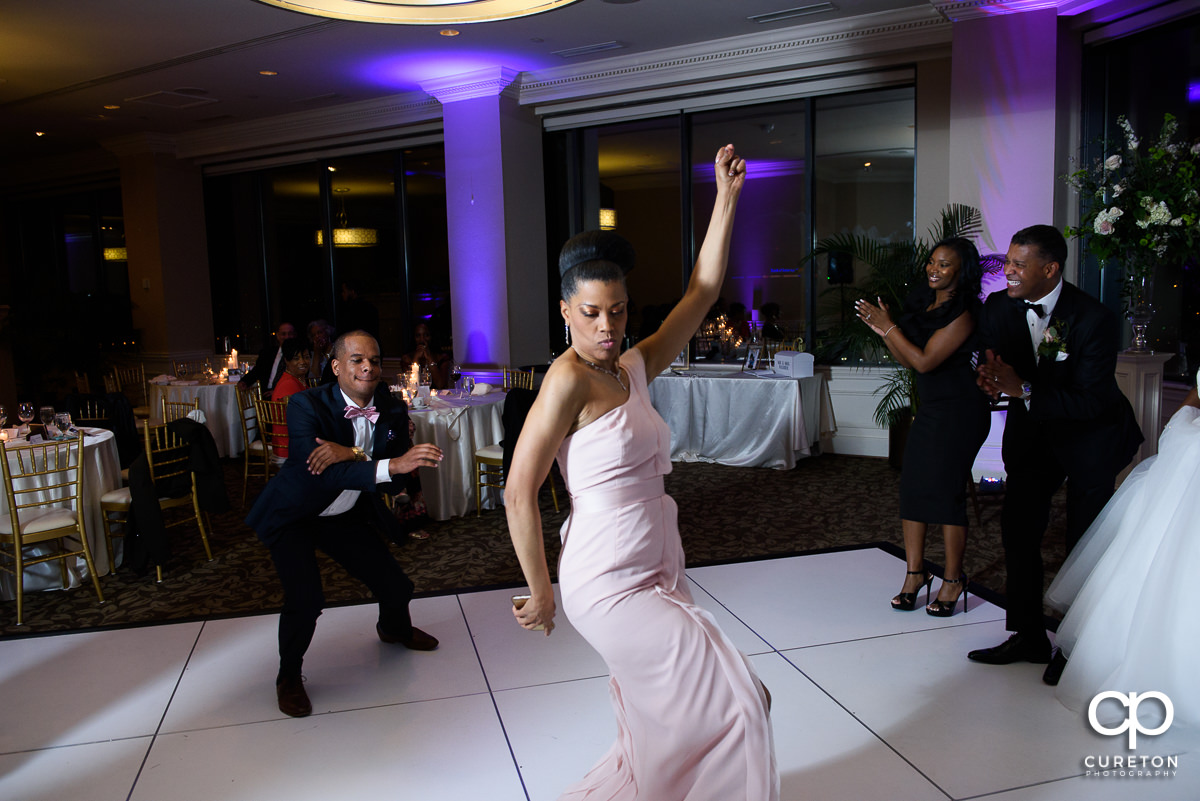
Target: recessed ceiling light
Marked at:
866, 164
39, 133
112, 106
267, 72
331, 168
448, 32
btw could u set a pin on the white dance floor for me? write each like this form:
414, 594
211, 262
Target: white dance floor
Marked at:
869, 703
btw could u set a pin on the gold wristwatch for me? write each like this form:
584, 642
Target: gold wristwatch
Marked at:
359, 454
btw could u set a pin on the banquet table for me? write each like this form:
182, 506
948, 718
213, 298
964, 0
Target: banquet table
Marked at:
101, 473
459, 426
743, 419
218, 401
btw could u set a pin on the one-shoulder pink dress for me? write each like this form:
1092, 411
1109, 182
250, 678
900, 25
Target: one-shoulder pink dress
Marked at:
691, 714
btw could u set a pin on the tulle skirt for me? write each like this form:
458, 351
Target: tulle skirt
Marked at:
1131, 592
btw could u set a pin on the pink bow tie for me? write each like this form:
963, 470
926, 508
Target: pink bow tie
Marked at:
371, 413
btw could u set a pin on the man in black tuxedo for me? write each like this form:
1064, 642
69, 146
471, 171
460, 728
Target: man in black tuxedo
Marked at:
269, 364
1052, 349
346, 441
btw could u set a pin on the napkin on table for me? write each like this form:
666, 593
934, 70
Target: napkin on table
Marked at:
481, 389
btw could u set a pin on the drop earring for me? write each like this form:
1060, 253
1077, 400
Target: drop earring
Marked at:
567, 332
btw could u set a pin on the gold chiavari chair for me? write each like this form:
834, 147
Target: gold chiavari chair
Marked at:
93, 413
171, 411
168, 456
489, 464
515, 378
44, 485
253, 446
272, 427
131, 382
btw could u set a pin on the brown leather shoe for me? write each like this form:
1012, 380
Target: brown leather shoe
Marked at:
293, 700
417, 641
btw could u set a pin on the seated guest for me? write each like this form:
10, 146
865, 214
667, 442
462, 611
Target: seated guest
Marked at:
269, 366
297, 354
320, 336
771, 329
426, 355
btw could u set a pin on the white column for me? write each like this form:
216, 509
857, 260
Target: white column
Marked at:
495, 213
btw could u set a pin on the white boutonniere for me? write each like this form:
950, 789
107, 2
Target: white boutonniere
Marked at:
1053, 344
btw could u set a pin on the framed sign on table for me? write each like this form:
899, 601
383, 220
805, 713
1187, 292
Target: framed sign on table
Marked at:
753, 356
682, 361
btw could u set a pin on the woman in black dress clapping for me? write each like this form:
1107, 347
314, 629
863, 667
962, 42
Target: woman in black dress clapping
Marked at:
935, 336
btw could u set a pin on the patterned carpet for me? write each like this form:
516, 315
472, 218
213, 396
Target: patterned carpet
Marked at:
726, 514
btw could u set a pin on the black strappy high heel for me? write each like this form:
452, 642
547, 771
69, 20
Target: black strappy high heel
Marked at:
940, 608
907, 601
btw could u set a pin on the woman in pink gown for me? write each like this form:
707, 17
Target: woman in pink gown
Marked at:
692, 716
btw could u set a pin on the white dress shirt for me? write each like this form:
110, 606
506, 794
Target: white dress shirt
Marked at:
364, 435
1038, 325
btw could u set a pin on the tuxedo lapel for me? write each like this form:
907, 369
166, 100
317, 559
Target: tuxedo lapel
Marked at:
331, 399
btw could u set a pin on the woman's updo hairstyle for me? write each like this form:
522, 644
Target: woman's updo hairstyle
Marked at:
593, 256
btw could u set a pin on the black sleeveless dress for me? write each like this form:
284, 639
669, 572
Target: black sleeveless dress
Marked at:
952, 419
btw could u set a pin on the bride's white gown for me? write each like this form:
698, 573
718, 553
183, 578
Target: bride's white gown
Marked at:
1131, 590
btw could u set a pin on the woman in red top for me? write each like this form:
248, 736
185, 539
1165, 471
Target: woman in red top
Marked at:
297, 356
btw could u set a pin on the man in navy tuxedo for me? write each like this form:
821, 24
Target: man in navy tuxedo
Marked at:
347, 440
1052, 349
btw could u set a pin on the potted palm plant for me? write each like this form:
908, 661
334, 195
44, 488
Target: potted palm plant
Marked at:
893, 270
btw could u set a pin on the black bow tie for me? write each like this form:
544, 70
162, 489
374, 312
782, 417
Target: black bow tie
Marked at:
1036, 307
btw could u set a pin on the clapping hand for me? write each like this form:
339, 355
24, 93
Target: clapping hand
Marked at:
875, 315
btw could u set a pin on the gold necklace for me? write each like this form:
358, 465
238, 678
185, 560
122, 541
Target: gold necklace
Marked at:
614, 373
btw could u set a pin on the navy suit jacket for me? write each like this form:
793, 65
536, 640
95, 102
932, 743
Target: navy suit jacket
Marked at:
1077, 412
296, 494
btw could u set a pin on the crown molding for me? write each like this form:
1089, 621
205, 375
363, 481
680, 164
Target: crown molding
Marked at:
487, 82
754, 56
962, 10
360, 120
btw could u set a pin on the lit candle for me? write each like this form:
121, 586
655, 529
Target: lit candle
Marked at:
233, 358
3, 436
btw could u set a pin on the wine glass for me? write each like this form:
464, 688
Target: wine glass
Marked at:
3, 416
455, 375
25, 415
46, 415
468, 384
63, 421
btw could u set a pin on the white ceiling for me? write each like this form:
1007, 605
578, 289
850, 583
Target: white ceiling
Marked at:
195, 64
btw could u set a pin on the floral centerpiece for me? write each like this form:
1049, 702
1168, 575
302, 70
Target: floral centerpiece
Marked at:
1143, 208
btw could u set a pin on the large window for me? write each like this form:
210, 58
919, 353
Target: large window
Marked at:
1143, 77
326, 240
838, 164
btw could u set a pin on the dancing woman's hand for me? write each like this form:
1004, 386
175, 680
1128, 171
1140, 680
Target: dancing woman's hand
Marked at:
536, 613
730, 171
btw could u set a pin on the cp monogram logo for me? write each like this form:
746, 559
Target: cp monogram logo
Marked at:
1131, 723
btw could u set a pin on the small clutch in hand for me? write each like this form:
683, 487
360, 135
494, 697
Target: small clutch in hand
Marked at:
519, 602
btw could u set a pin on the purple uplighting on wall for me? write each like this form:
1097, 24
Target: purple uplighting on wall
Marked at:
1194, 92
408, 70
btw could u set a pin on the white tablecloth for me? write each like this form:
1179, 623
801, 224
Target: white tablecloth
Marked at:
459, 426
101, 473
743, 419
219, 402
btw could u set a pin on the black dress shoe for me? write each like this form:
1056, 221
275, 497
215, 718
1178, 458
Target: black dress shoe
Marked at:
1017, 648
417, 641
1058, 661
292, 698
